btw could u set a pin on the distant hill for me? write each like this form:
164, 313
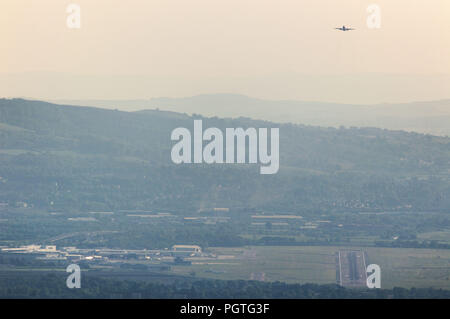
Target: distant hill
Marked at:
432, 117
71, 157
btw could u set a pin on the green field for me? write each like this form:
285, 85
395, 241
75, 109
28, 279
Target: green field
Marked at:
441, 236
401, 267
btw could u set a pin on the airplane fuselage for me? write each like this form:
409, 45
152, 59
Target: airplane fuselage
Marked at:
344, 28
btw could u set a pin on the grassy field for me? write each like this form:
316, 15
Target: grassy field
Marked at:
401, 267
441, 236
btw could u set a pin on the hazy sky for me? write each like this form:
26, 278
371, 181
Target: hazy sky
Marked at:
270, 49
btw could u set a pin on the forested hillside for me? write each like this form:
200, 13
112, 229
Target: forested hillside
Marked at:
81, 158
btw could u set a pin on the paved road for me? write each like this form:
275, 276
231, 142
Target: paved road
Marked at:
352, 268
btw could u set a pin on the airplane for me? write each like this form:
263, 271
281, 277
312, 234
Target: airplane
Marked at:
344, 28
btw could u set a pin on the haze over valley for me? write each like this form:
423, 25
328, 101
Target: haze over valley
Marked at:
430, 117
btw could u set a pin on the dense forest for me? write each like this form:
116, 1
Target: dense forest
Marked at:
53, 286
